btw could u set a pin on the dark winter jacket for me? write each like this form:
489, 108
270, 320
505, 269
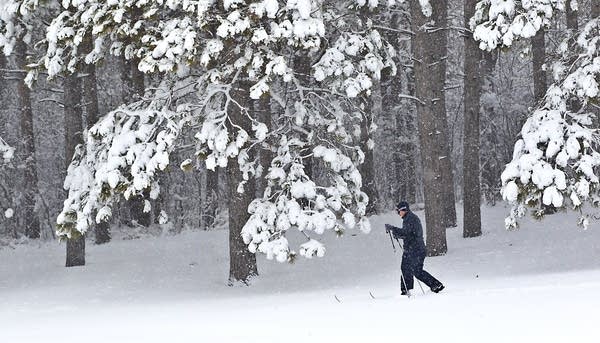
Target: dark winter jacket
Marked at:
412, 234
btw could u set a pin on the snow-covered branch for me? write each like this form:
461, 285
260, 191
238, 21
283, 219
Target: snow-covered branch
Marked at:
555, 162
6, 151
232, 47
498, 23
121, 156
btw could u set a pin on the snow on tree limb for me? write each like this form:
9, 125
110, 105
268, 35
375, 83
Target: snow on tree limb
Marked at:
555, 162
168, 36
498, 23
216, 47
6, 151
121, 156
14, 23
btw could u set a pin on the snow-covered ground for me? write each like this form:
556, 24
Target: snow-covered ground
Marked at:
538, 284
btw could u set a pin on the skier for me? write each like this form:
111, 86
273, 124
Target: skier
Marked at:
414, 250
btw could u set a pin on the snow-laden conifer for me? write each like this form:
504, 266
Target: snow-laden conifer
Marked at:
556, 158
209, 50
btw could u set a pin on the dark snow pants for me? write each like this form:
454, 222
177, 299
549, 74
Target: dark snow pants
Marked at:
412, 266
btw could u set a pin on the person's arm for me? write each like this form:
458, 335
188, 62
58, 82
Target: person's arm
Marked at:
398, 232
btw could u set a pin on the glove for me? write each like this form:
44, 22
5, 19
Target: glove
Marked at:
388, 228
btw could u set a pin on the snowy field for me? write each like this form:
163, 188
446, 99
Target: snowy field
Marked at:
538, 284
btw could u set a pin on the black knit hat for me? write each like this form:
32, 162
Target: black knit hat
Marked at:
402, 206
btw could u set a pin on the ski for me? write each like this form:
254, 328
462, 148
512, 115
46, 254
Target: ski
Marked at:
371, 296
335, 296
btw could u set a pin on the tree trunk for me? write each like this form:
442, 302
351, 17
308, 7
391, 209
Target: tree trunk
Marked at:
263, 109
572, 20
3, 81
136, 210
572, 27
90, 96
75, 251
493, 160
302, 67
211, 199
126, 88
242, 263
429, 80
30, 181
472, 85
137, 204
133, 80
440, 53
540, 86
538, 46
404, 150
595, 9
73, 136
9, 225
138, 86
367, 169
404, 159
133, 89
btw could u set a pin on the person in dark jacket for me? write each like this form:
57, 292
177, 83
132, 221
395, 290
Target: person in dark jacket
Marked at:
414, 250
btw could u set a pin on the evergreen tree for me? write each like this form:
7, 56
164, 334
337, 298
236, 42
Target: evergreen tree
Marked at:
554, 162
217, 59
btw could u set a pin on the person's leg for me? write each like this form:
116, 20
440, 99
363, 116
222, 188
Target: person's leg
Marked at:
424, 276
407, 274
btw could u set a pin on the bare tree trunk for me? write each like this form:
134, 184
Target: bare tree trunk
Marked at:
90, 97
367, 169
440, 53
472, 85
73, 137
429, 81
30, 181
405, 160
595, 9
404, 151
242, 263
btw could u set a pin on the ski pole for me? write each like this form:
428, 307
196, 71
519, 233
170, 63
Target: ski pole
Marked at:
419, 282
401, 274
392, 240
